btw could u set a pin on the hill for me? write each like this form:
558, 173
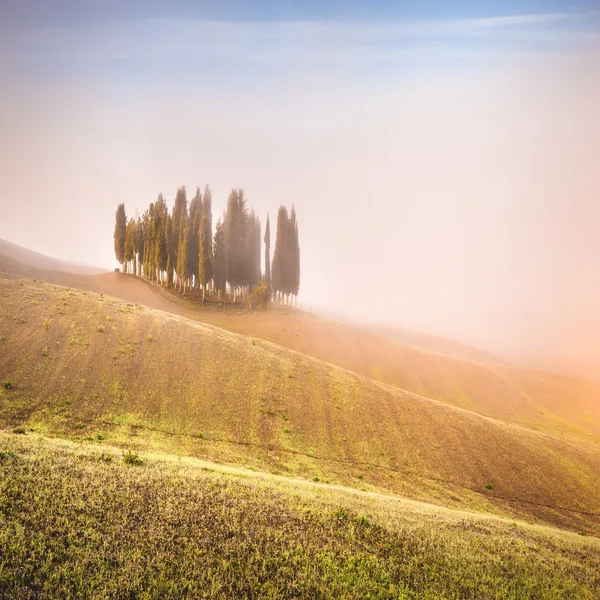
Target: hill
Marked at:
557, 404
22, 261
429, 366
84, 365
417, 339
82, 521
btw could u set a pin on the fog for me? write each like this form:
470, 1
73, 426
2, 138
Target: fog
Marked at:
442, 188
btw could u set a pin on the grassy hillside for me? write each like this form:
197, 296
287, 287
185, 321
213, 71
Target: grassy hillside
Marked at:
547, 402
544, 401
93, 367
79, 522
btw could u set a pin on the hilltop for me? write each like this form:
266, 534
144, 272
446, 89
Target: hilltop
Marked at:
86, 365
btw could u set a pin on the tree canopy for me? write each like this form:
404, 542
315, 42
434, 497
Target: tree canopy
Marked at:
178, 248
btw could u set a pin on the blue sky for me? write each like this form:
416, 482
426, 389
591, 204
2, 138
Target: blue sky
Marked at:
75, 11
67, 36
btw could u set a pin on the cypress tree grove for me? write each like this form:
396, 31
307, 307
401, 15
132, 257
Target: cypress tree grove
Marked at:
286, 258
120, 232
178, 247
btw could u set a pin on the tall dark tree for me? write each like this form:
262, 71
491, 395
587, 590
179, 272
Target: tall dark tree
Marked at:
207, 212
252, 250
280, 253
194, 247
286, 258
171, 254
294, 254
205, 255
130, 236
148, 217
220, 259
180, 217
139, 243
268, 251
182, 253
236, 218
120, 232
161, 214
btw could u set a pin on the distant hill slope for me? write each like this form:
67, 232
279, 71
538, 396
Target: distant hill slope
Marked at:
417, 339
22, 261
88, 365
545, 401
435, 343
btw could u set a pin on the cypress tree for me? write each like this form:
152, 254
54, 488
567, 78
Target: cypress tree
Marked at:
235, 225
140, 232
161, 212
207, 212
268, 251
171, 256
179, 223
194, 248
182, 253
280, 253
220, 262
252, 250
294, 255
149, 242
120, 232
129, 255
204, 257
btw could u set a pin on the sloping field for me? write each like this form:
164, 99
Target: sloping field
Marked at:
556, 404
549, 402
85, 365
78, 521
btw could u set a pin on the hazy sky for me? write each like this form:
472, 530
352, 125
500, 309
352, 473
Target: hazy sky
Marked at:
444, 158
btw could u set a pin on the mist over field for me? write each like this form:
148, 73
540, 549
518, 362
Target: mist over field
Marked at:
445, 172
300, 299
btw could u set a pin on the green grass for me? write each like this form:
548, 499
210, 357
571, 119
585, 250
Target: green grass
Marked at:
77, 524
132, 458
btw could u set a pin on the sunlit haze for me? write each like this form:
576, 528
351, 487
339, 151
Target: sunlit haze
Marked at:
444, 165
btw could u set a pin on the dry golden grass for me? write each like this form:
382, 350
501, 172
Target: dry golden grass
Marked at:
151, 380
81, 520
